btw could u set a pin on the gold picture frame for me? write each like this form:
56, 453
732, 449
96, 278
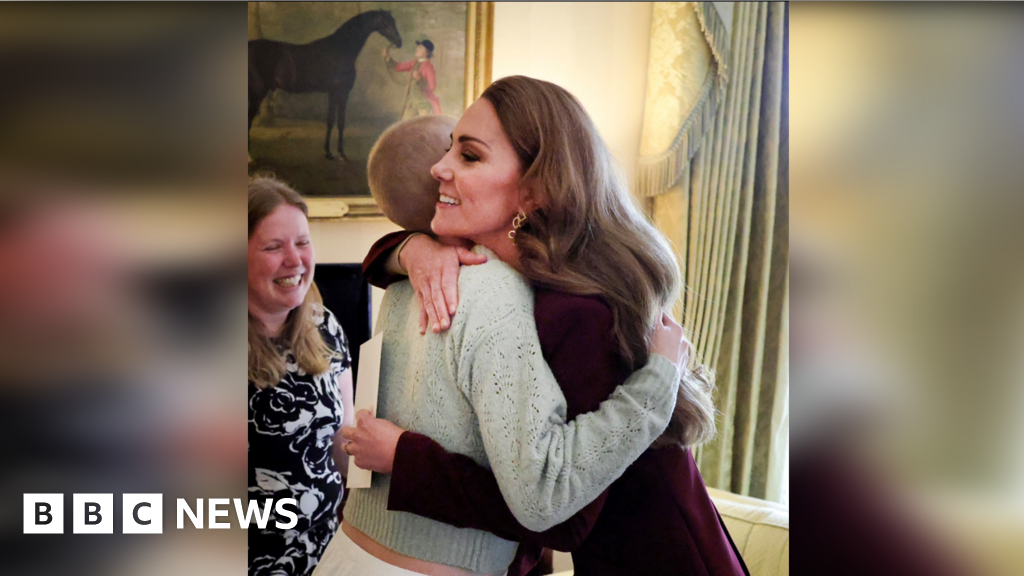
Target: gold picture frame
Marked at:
478, 58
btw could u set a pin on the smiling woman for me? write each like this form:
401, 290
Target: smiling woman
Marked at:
300, 385
480, 183
280, 267
529, 178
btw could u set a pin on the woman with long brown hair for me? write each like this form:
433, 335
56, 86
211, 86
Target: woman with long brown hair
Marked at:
300, 385
482, 389
601, 275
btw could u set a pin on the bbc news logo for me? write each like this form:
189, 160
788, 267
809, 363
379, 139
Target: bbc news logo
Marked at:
143, 513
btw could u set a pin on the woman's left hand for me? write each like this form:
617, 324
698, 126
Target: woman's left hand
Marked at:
670, 341
372, 441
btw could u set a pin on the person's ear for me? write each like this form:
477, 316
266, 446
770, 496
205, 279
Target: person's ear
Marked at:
529, 200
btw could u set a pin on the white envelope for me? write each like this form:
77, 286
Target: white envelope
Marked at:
366, 399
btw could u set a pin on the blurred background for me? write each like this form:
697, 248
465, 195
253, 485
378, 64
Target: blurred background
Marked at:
908, 304
121, 307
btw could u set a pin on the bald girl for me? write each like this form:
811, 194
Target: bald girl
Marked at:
399, 169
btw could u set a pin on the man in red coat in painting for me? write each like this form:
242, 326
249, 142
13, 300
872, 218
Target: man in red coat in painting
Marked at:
423, 73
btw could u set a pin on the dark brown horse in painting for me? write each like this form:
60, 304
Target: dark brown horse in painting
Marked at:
324, 65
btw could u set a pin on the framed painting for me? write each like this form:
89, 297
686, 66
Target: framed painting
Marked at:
327, 78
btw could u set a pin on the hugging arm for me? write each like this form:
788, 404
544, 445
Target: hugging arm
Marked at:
433, 269
577, 342
547, 468
454, 489
375, 263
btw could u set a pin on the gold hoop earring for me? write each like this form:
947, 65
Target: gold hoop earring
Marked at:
517, 223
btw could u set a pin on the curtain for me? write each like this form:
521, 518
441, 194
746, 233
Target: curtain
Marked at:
714, 170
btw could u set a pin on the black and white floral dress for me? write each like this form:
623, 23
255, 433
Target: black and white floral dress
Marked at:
291, 436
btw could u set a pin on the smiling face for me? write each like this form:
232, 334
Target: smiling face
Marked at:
479, 182
281, 263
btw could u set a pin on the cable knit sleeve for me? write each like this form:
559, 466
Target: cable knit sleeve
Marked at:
548, 469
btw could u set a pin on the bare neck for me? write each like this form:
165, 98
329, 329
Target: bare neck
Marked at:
501, 245
272, 324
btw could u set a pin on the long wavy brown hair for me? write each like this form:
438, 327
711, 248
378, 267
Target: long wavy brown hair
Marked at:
300, 333
589, 237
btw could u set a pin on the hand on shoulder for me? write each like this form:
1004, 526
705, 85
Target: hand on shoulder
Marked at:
433, 270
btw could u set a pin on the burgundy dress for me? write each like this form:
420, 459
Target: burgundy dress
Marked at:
657, 518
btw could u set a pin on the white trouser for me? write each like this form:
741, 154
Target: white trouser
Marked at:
343, 557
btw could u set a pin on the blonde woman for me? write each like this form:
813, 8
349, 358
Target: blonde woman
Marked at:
300, 385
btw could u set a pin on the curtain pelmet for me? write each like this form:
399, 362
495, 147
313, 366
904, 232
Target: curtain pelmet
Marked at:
685, 81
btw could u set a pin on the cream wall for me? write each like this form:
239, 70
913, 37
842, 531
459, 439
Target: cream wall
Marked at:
598, 51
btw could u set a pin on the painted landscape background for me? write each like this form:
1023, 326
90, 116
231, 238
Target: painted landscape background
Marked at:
288, 134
